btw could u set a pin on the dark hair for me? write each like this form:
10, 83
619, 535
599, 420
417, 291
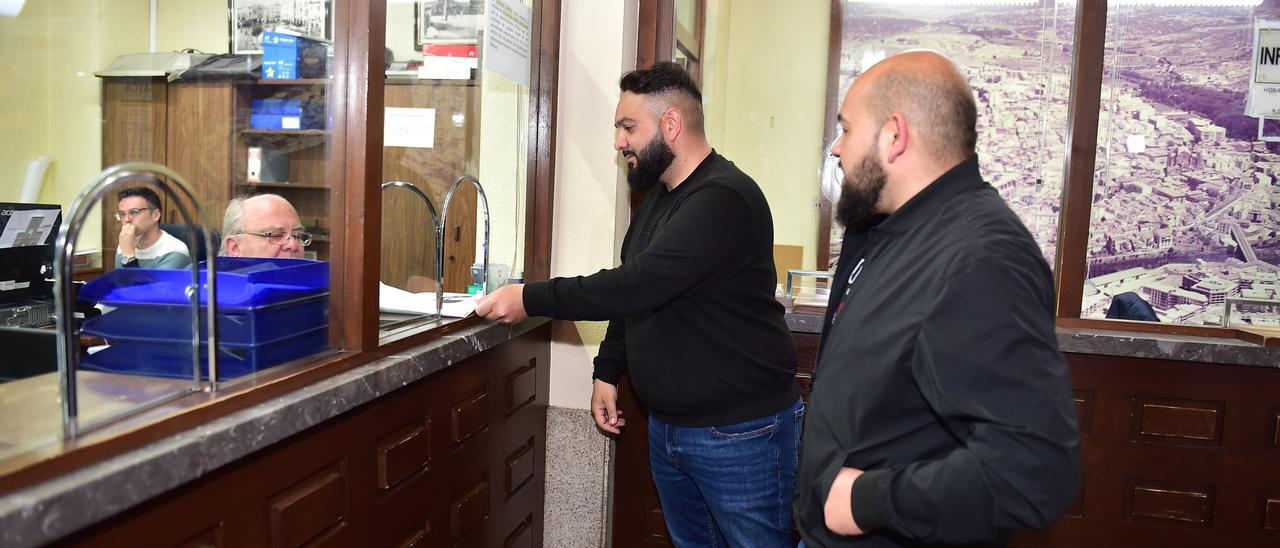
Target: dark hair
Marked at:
671, 80
664, 77
153, 199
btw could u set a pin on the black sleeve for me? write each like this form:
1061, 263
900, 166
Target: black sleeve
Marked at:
709, 234
987, 361
611, 361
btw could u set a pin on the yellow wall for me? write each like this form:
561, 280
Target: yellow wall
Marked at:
182, 24
49, 102
765, 78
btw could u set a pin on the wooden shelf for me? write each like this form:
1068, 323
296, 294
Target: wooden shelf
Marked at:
285, 132
297, 82
284, 140
286, 185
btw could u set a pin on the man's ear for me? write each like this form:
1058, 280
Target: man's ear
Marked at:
155, 215
895, 136
232, 245
671, 124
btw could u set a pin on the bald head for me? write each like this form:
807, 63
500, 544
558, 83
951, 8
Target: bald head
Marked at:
247, 218
929, 90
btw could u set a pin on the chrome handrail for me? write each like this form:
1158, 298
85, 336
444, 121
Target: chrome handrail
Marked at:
435, 227
68, 335
448, 197
435, 218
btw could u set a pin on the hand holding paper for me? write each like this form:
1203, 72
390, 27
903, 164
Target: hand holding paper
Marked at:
505, 305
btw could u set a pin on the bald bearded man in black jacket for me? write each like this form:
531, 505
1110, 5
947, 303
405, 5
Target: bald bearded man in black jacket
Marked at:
941, 411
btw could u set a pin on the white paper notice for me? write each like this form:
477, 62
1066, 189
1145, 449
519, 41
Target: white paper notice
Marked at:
1263, 99
507, 41
29, 227
409, 127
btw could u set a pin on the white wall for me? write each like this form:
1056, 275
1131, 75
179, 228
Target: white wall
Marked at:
597, 45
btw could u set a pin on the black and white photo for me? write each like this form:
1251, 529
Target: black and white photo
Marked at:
448, 21
250, 18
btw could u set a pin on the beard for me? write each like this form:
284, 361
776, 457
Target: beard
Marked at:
651, 162
860, 194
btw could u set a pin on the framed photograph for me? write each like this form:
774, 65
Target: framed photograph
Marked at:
249, 18
448, 22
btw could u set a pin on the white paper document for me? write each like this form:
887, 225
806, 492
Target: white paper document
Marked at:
28, 227
398, 301
409, 127
507, 41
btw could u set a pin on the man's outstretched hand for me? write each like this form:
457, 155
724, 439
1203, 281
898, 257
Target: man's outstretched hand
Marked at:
505, 305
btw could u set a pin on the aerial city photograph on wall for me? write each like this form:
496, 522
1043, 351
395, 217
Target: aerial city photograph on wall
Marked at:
1186, 198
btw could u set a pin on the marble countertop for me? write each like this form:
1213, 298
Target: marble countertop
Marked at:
1128, 344
47, 511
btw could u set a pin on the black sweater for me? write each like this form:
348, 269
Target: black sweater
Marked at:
939, 375
691, 310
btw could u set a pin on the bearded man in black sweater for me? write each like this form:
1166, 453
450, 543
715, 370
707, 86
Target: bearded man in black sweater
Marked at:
693, 320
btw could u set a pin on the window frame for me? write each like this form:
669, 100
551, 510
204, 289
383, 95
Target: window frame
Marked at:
357, 85
1083, 114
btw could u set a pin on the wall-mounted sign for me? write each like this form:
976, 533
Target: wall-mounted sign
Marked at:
1264, 83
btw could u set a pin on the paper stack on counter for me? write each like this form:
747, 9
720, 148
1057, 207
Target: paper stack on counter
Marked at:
399, 301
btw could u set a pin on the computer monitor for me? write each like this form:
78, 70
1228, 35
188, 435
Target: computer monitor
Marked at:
27, 236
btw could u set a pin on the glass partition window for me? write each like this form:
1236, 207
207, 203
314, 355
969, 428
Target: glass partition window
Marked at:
1185, 196
456, 110
1018, 60
124, 91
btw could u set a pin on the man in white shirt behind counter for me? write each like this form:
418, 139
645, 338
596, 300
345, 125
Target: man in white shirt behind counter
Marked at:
142, 243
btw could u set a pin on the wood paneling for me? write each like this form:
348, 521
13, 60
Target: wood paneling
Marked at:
1174, 454
404, 453
311, 510
522, 536
520, 467
469, 416
1170, 503
133, 121
201, 137
1083, 400
1177, 421
469, 508
208, 539
1271, 513
323, 487
522, 387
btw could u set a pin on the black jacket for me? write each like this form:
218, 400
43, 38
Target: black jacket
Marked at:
940, 376
692, 310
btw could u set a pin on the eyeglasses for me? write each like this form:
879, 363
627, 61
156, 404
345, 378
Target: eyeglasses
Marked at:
120, 215
279, 237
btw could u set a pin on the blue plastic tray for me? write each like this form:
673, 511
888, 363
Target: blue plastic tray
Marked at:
242, 283
236, 326
173, 360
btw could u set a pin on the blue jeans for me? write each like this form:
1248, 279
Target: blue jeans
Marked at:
727, 485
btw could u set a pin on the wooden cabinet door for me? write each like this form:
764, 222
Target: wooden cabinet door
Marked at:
134, 116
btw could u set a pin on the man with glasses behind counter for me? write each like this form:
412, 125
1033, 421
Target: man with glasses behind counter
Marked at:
142, 243
265, 225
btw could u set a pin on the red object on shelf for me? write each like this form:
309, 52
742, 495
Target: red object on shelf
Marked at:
450, 50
